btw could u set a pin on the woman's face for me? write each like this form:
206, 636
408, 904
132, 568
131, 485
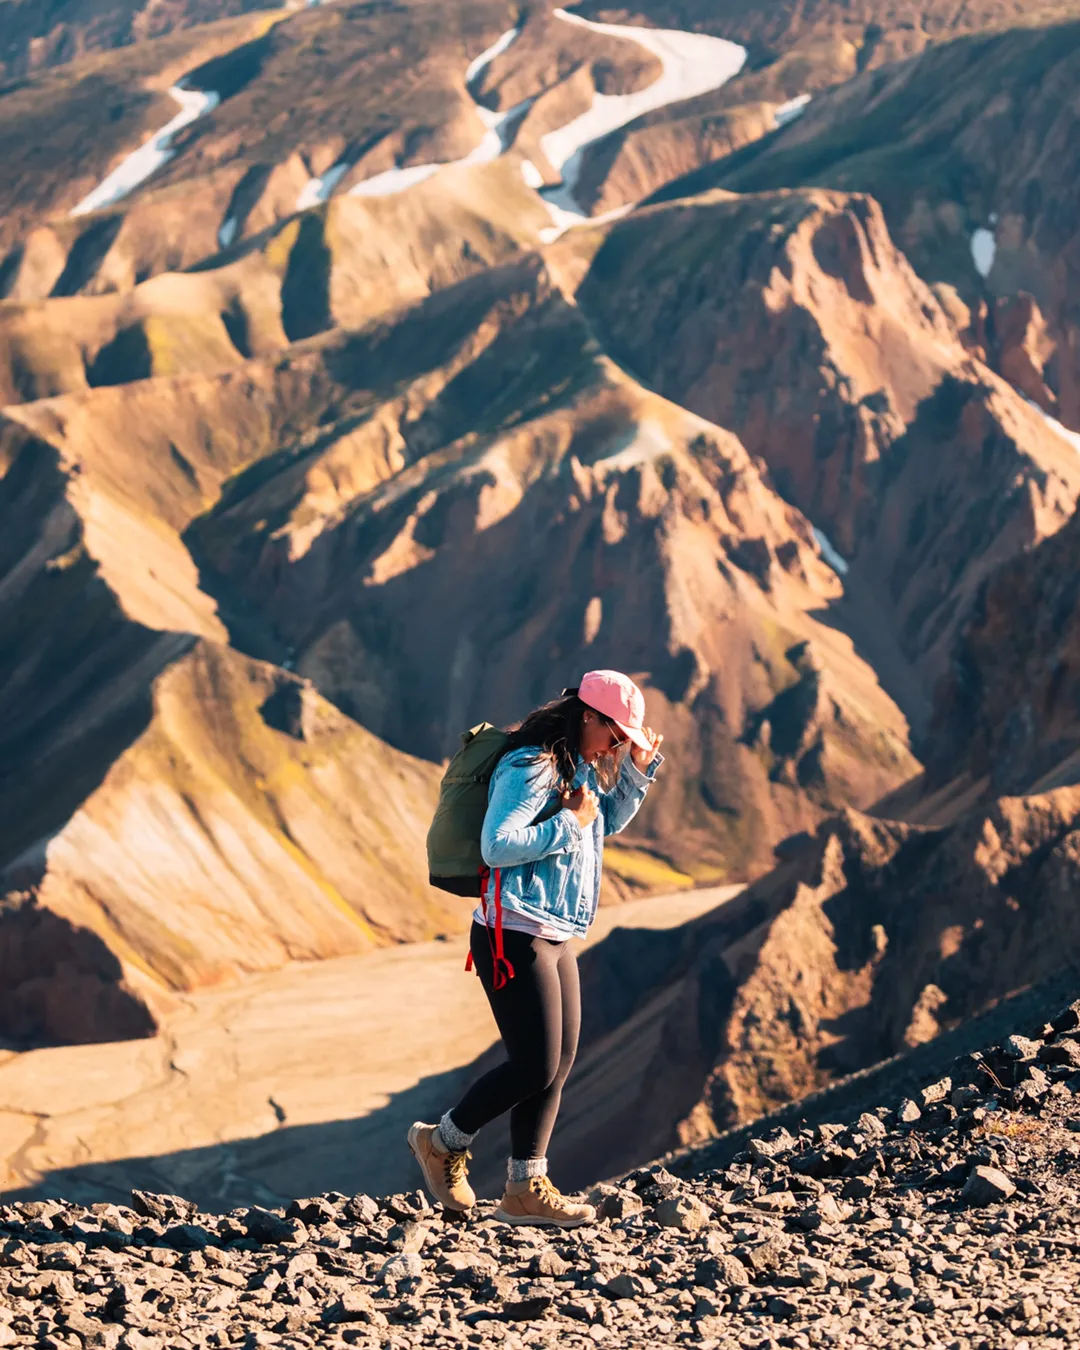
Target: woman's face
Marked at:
598, 737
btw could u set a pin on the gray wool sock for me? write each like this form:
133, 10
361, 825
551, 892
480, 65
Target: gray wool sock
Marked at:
457, 1141
523, 1169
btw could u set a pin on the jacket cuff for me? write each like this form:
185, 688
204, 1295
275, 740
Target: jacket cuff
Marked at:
637, 777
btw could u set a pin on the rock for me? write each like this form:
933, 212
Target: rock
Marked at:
353, 1306
783, 1309
549, 1264
614, 1202
813, 1274
404, 1266
263, 1225
312, 1212
528, 1309
164, 1208
683, 1212
723, 1271
470, 1269
858, 1188
1019, 1047
764, 1149
1063, 1052
901, 1286
987, 1186
908, 1112
628, 1285
361, 1209
1068, 1019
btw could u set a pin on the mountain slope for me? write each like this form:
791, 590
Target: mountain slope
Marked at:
792, 318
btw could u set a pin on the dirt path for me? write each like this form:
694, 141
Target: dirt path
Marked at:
294, 1082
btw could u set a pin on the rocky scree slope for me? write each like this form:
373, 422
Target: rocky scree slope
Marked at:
950, 1217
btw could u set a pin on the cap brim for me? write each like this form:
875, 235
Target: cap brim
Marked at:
636, 736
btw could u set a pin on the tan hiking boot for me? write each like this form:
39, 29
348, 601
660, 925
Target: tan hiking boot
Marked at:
446, 1174
536, 1201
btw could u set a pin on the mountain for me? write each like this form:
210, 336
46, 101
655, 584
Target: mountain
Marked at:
793, 319
968, 147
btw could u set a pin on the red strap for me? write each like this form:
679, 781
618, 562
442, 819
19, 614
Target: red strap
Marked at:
502, 970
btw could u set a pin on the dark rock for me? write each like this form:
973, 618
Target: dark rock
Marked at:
190, 1237
267, 1227
858, 1188
528, 1309
312, 1212
987, 1186
1062, 1052
164, 1208
361, 1209
1068, 1019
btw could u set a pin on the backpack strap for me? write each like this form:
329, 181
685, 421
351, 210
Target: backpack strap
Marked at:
502, 970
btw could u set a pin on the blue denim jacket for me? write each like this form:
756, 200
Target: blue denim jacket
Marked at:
551, 871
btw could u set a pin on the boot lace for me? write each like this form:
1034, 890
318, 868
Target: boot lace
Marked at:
546, 1190
457, 1167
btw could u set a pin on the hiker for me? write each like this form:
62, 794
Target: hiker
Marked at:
575, 770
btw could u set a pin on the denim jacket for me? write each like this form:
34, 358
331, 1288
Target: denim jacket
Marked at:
546, 871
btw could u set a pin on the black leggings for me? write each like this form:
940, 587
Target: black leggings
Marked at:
538, 1014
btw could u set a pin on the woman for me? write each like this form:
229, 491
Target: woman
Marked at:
562, 783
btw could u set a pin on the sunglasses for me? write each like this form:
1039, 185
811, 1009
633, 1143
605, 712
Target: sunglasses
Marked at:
618, 740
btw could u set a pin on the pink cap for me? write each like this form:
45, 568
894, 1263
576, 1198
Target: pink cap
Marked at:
619, 698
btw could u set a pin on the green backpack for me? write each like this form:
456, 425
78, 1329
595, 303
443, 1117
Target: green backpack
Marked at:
455, 863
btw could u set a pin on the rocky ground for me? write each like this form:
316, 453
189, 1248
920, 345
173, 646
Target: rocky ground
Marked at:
948, 1218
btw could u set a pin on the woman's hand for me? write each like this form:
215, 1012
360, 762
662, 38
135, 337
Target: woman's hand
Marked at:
584, 804
643, 758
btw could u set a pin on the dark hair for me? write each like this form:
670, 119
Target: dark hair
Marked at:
554, 731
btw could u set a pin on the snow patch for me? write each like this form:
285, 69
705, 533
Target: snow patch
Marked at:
491, 147
692, 64
227, 233
792, 110
645, 441
141, 164
477, 67
983, 251
1073, 437
317, 190
531, 174
838, 564
394, 180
